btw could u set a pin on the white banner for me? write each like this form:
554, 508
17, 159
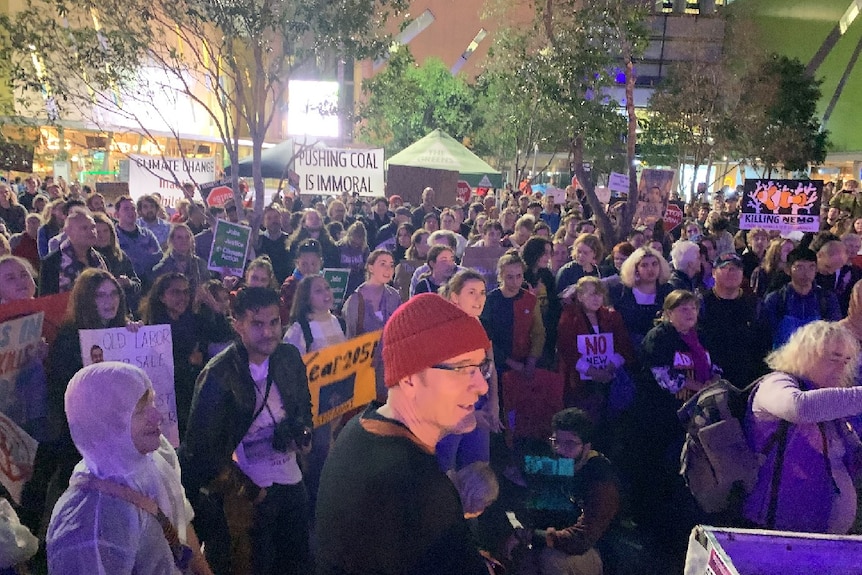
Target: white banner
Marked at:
618, 183
151, 349
331, 171
151, 174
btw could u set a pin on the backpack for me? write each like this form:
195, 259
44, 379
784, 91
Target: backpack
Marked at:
716, 460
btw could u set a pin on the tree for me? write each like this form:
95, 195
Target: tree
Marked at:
776, 123
569, 60
405, 102
231, 58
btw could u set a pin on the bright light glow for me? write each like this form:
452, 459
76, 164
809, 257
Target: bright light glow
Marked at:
312, 109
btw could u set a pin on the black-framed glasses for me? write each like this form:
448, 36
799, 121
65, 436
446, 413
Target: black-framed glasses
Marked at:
485, 368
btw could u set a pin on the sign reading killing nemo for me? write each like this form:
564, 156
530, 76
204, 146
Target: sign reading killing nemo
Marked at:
783, 205
332, 171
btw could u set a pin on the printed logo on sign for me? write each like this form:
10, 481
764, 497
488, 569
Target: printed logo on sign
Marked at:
783, 205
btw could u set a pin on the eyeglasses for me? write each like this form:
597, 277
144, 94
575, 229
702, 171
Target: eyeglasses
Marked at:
565, 443
469, 370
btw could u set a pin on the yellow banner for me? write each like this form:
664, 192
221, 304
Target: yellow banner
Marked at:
341, 377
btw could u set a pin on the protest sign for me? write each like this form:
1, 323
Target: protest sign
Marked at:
149, 174
23, 392
618, 183
17, 454
484, 260
558, 194
53, 306
341, 377
216, 193
151, 349
230, 244
337, 279
653, 194
673, 215
783, 205
597, 349
331, 171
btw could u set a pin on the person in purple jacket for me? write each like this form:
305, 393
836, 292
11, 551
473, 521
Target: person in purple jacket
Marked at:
797, 418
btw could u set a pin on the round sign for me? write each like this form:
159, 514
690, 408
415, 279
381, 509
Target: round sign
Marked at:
218, 196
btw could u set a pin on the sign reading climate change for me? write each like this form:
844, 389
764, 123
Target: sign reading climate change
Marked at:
151, 349
783, 205
341, 377
331, 171
148, 174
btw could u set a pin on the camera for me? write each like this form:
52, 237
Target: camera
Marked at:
291, 430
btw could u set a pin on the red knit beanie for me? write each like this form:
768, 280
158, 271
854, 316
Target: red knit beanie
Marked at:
425, 331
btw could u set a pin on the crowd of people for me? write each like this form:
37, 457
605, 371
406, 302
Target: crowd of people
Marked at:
684, 308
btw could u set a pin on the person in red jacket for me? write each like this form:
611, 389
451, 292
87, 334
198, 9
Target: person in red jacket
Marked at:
589, 368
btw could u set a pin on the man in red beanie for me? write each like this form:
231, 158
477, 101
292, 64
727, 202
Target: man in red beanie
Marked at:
383, 505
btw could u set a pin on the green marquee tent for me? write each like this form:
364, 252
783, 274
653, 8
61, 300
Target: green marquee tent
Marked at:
438, 150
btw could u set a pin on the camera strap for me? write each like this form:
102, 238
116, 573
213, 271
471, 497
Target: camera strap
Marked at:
265, 403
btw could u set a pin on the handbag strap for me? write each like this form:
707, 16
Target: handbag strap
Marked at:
182, 553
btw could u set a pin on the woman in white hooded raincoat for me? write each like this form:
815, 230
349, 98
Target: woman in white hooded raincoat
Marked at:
116, 427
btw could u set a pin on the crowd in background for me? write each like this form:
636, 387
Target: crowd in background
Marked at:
686, 306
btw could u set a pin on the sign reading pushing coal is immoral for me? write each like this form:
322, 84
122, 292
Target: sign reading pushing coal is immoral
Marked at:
332, 171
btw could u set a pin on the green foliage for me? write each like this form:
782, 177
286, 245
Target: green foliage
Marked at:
81, 59
405, 102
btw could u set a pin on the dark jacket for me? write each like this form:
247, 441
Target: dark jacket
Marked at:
384, 506
639, 319
223, 410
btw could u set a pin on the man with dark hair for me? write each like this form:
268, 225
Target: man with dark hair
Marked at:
139, 243
726, 309
386, 234
250, 416
799, 302
273, 243
384, 506
379, 217
148, 209
594, 490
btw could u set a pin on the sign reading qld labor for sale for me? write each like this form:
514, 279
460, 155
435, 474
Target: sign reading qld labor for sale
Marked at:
230, 244
330, 171
597, 349
151, 349
783, 205
341, 377
148, 174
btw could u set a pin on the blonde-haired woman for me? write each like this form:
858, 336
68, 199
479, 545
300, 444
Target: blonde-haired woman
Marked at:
640, 295
797, 418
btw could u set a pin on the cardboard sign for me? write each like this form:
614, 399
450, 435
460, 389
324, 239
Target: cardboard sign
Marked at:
597, 349
22, 377
618, 183
17, 454
148, 174
230, 244
653, 195
337, 278
783, 205
341, 377
151, 349
484, 260
53, 306
331, 171
558, 194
